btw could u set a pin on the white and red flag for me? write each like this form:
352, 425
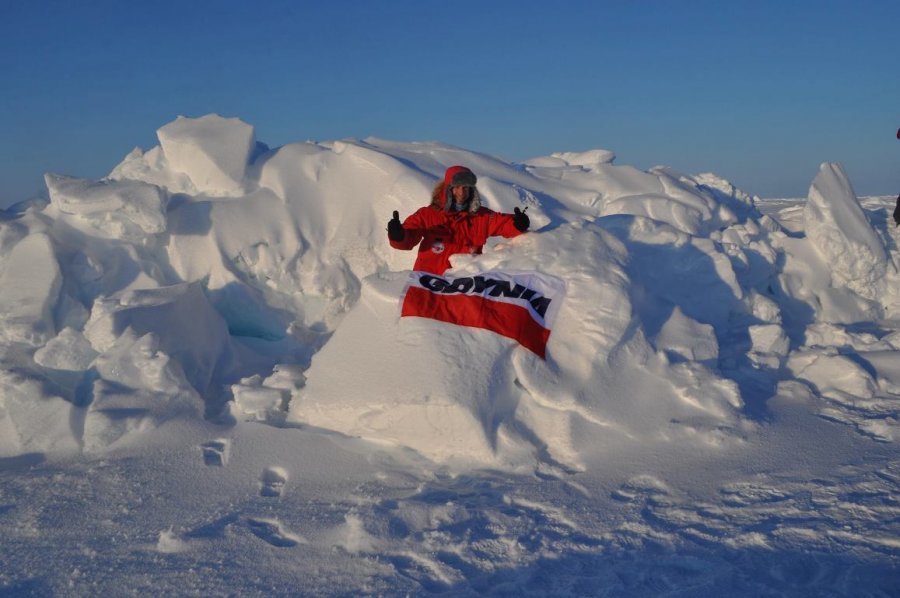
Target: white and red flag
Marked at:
521, 306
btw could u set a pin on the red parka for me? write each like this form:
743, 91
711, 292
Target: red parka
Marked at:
443, 233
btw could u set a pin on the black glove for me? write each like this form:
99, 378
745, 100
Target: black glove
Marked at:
395, 229
520, 220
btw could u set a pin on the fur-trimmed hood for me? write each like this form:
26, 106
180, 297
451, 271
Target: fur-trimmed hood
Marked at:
441, 197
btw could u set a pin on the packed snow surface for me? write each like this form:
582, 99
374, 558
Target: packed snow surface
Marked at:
206, 387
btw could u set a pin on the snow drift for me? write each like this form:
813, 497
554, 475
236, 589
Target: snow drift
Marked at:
212, 277
206, 386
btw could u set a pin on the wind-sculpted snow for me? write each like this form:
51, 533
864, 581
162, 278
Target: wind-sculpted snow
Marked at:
717, 412
290, 257
29, 289
116, 206
838, 228
212, 151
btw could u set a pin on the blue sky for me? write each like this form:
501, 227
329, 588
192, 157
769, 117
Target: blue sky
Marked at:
758, 92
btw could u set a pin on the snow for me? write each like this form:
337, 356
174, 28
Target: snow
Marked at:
114, 207
212, 151
29, 288
837, 227
206, 387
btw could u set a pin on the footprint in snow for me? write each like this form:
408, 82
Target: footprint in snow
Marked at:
272, 532
422, 570
272, 480
215, 452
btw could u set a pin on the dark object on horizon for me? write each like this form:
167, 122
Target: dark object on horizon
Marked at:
897, 208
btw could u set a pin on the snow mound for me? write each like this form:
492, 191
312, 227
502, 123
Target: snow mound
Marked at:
212, 277
717, 412
468, 396
838, 228
444, 404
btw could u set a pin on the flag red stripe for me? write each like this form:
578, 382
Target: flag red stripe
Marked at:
508, 319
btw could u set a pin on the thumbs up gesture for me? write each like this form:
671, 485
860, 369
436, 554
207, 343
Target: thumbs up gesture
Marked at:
520, 220
394, 228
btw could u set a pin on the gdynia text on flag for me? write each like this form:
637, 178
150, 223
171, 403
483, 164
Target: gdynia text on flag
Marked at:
521, 306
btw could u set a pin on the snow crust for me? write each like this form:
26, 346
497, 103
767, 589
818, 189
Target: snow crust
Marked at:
240, 304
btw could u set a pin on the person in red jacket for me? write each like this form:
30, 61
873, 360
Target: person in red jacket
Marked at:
455, 222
